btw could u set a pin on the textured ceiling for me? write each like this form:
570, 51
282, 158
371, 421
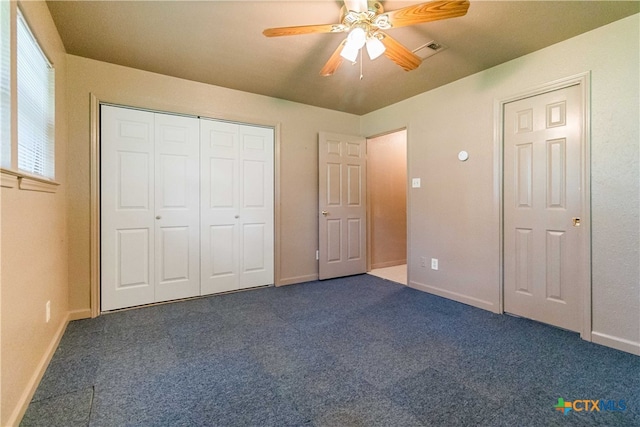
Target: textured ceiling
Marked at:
221, 43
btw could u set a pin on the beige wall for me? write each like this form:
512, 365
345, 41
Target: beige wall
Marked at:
299, 126
455, 215
34, 250
387, 199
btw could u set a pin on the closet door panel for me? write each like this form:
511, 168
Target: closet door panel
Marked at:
221, 268
127, 203
256, 219
177, 207
237, 206
220, 208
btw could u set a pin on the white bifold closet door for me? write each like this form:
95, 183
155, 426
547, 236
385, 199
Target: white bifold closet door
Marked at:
150, 199
237, 192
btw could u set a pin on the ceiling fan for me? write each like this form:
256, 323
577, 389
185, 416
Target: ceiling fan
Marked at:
364, 21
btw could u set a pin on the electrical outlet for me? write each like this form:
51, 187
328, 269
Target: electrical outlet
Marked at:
48, 311
434, 263
423, 261
317, 255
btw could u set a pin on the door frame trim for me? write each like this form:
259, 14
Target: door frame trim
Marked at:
583, 80
94, 183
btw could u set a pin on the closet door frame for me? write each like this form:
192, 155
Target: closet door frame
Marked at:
94, 184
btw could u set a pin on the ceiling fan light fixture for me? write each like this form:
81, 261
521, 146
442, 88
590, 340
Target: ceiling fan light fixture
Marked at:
357, 37
375, 48
350, 52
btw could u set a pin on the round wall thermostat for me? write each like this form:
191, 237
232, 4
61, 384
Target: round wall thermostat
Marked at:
463, 156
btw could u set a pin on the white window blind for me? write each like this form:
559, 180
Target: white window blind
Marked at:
35, 77
5, 89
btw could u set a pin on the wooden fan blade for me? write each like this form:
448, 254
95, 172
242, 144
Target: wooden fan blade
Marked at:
334, 61
304, 29
427, 12
400, 54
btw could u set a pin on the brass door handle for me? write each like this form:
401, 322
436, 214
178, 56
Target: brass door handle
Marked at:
325, 213
576, 221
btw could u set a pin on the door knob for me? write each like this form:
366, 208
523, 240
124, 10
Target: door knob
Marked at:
325, 213
576, 221
237, 216
158, 217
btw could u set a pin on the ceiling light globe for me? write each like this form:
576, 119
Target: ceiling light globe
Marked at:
375, 48
357, 37
350, 52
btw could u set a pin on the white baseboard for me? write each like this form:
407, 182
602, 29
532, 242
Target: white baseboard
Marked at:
616, 342
596, 337
297, 279
475, 302
32, 385
79, 314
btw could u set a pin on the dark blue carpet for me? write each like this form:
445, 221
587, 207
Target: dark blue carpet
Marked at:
356, 351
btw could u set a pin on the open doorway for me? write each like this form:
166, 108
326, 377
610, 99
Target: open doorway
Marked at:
387, 206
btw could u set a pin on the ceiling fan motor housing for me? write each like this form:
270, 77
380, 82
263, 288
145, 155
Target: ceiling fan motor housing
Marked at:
370, 20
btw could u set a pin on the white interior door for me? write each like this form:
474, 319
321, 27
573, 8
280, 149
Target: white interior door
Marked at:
342, 203
236, 206
127, 203
542, 206
150, 207
177, 207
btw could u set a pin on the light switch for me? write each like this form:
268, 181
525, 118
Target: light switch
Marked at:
415, 183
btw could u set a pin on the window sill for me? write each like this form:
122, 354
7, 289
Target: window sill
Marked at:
25, 181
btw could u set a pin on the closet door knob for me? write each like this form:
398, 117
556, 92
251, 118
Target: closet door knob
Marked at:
158, 217
237, 216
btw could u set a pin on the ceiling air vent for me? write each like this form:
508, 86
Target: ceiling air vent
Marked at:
429, 49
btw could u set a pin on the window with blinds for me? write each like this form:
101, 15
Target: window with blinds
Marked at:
5, 88
35, 98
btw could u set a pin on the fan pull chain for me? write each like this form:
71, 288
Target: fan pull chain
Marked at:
361, 61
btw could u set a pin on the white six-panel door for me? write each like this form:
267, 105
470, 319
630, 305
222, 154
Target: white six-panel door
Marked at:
237, 234
543, 242
342, 201
150, 207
